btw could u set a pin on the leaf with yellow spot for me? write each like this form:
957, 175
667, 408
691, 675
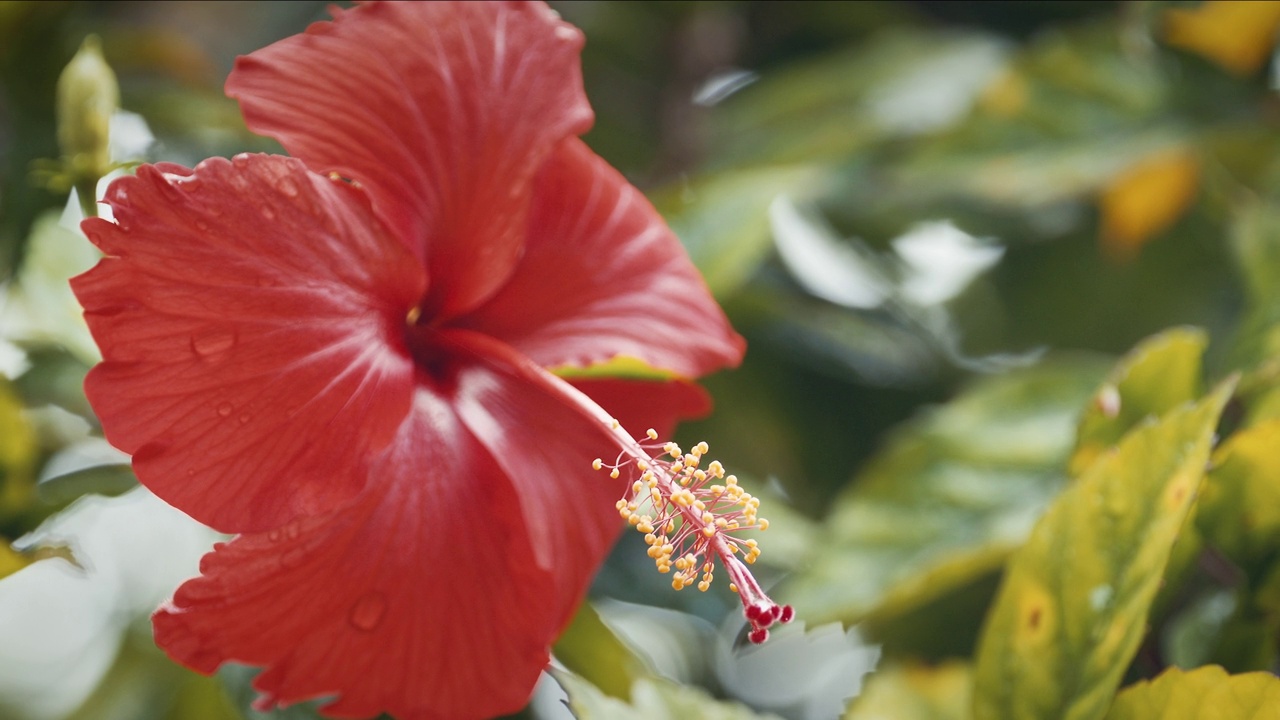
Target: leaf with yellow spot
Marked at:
1206, 693
1239, 512
916, 692
1238, 35
1073, 606
1159, 374
651, 698
1146, 199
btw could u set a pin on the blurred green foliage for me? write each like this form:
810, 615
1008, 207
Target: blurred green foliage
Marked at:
994, 483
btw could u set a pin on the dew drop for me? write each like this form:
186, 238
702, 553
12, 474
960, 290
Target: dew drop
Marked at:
213, 343
274, 535
289, 187
268, 213
225, 409
368, 611
244, 418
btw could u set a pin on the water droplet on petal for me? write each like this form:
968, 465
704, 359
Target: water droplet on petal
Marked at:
244, 418
268, 213
289, 187
213, 343
225, 409
368, 611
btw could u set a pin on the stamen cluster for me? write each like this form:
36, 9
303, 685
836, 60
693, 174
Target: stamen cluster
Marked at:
688, 517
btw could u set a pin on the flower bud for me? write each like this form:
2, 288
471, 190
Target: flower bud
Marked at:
88, 95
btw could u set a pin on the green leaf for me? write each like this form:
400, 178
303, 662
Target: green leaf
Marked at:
109, 480
1074, 602
1159, 374
17, 456
951, 496
916, 692
651, 698
723, 219
1206, 693
591, 650
1239, 511
41, 306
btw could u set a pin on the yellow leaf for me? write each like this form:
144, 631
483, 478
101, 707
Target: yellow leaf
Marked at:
1206, 693
1073, 606
1235, 34
1147, 199
916, 692
11, 561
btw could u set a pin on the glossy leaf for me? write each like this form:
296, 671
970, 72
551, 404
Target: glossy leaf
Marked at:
723, 219
589, 649
651, 698
949, 498
1074, 602
916, 692
1240, 509
1160, 373
1206, 693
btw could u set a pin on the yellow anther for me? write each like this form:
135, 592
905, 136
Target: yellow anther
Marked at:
653, 434
642, 466
614, 474
709, 531
677, 467
699, 505
751, 559
671, 527
614, 424
637, 486
692, 460
644, 526
704, 585
722, 523
764, 524
752, 543
716, 469
634, 519
677, 582
632, 506
699, 475
664, 569
731, 480
597, 464
620, 504
708, 518
650, 539
654, 552
733, 588
655, 495
717, 490
701, 448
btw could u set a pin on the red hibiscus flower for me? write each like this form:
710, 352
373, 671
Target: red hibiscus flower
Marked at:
344, 357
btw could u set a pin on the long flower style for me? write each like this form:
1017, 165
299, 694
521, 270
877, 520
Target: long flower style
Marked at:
346, 357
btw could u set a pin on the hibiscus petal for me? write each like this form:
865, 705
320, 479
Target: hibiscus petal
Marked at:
421, 599
603, 276
544, 434
639, 405
442, 111
250, 316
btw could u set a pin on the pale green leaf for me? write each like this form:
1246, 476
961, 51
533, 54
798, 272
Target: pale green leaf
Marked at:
723, 219
950, 497
1206, 693
1073, 605
916, 692
591, 650
1159, 374
1239, 512
651, 698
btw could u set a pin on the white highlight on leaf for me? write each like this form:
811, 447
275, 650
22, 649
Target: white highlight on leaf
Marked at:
940, 260
825, 265
62, 625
